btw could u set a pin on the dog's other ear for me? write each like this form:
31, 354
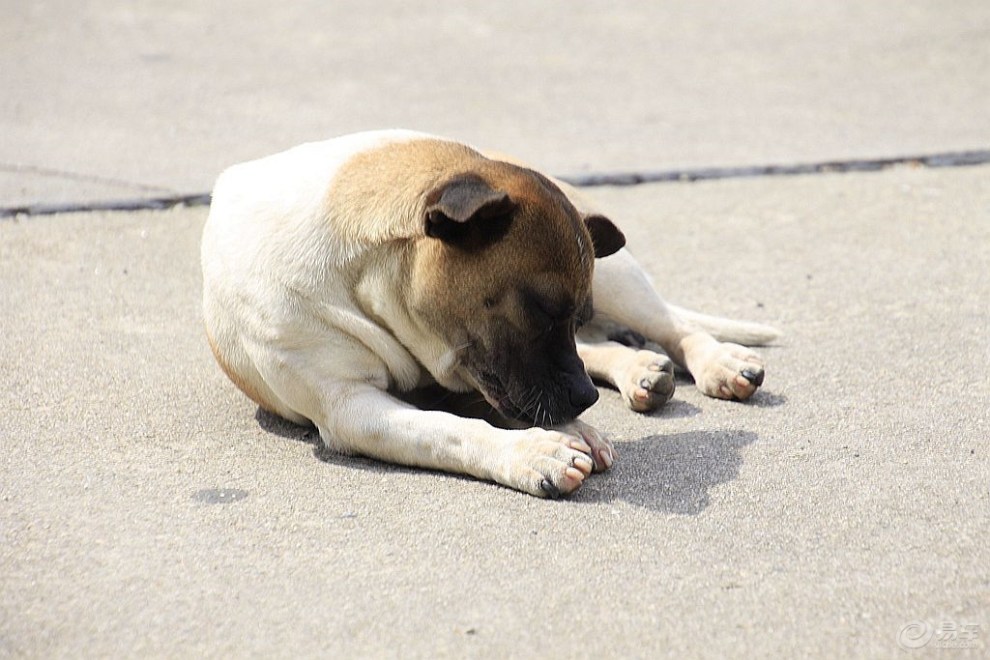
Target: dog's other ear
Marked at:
606, 237
468, 213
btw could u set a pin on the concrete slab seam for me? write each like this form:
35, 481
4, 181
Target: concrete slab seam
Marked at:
589, 180
947, 159
18, 168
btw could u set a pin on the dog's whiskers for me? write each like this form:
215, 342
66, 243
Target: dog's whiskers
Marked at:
531, 401
541, 413
535, 400
527, 402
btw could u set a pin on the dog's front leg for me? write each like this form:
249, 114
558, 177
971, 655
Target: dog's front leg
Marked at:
361, 419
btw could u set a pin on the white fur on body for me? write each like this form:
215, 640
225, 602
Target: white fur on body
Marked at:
268, 227
294, 300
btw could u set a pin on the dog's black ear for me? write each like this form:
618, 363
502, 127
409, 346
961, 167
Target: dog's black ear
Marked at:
607, 238
468, 213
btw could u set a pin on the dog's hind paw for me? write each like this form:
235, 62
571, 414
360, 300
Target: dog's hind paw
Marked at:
730, 371
647, 382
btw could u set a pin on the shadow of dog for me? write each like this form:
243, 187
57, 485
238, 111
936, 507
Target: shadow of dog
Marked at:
670, 473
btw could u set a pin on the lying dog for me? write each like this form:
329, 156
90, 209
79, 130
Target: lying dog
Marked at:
340, 274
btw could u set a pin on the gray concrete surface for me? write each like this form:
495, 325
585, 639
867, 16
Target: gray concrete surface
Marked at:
148, 510
847, 500
165, 94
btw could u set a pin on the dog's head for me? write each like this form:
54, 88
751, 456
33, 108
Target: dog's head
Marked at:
504, 276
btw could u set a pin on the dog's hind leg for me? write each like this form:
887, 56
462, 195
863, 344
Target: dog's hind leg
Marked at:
708, 347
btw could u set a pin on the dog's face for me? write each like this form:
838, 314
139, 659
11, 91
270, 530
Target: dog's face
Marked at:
504, 277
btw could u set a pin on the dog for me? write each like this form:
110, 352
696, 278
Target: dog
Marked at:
340, 275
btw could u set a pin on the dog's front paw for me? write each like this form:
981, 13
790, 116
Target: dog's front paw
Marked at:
730, 371
546, 463
602, 451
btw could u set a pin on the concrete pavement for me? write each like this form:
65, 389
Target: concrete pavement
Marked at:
115, 98
148, 509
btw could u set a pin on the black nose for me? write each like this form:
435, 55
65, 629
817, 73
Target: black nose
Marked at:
582, 395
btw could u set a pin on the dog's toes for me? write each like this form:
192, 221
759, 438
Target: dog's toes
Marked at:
602, 452
732, 372
547, 463
649, 382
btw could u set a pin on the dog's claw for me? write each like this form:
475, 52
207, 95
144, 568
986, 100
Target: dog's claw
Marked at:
754, 377
583, 464
552, 491
605, 456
